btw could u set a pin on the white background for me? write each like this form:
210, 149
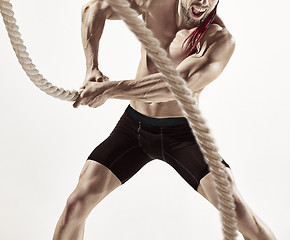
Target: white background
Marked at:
45, 142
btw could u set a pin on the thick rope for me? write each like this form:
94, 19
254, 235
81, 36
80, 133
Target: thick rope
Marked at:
25, 61
184, 96
175, 83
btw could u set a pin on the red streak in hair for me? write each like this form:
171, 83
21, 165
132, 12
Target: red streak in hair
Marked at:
193, 39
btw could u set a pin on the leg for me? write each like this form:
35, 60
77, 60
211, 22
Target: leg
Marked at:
249, 225
182, 152
111, 164
95, 182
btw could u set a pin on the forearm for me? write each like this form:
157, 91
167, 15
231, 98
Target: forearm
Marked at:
148, 89
94, 15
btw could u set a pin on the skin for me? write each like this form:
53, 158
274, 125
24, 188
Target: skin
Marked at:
171, 21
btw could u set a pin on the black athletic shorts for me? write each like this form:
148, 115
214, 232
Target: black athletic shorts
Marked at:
138, 139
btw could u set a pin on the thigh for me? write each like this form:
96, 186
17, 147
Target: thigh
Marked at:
95, 178
121, 152
183, 153
187, 159
95, 183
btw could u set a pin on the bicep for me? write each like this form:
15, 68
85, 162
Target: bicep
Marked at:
201, 71
204, 76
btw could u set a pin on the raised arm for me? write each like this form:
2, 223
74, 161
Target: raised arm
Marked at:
94, 15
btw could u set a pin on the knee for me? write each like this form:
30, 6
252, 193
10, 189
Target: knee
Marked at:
81, 202
240, 207
246, 221
75, 208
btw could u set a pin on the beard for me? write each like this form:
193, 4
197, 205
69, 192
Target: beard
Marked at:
188, 22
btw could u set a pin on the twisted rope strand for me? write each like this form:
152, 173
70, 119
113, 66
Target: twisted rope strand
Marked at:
175, 83
25, 61
179, 89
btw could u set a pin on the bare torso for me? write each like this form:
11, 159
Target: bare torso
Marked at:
161, 19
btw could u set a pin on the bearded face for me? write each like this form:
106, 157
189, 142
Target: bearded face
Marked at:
194, 12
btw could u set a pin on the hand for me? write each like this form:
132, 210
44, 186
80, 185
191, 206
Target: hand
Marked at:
94, 75
94, 94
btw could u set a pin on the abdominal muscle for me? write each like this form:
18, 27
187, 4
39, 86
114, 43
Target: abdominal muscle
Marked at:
158, 110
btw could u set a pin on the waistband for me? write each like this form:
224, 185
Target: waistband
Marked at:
159, 122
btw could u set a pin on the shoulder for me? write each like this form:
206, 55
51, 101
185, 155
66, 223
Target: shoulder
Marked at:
217, 33
219, 43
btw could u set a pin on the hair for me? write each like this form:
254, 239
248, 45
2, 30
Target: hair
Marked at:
194, 38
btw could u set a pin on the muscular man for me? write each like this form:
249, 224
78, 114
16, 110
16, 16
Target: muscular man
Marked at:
153, 126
